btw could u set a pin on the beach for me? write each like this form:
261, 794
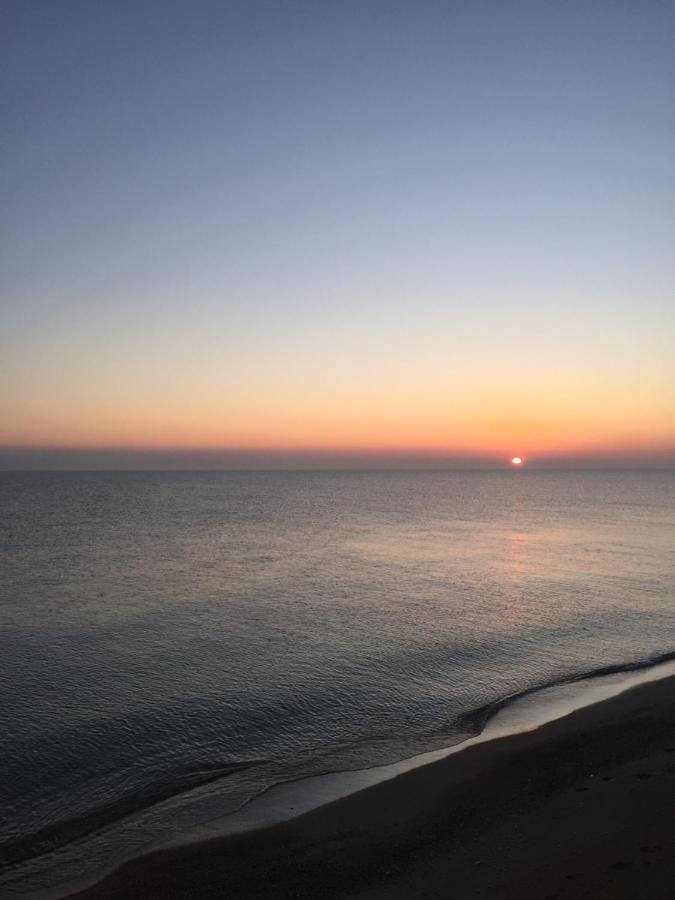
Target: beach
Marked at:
580, 807
337, 458
234, 651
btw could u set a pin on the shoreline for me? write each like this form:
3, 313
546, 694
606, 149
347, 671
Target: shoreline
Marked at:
515, 714
358, 842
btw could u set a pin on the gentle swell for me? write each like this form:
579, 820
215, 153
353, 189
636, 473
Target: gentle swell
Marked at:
475, 720
59, 834
63, 832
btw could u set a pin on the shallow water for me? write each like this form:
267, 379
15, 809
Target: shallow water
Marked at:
174, 643
524, 713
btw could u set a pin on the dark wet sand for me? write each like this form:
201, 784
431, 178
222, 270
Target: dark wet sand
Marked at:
582, 807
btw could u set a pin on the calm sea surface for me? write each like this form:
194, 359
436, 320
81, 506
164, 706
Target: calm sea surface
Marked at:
174, 643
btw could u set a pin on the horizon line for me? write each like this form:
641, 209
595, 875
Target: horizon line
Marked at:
333, 469
25, 458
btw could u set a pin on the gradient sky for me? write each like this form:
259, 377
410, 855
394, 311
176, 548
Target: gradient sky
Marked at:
412, 227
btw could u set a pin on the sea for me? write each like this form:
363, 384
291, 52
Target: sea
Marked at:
177, 646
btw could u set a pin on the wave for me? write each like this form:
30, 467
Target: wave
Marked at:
65, 831
282, 796
511, 715
475, 720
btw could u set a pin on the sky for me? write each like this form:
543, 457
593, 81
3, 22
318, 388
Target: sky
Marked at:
354, 230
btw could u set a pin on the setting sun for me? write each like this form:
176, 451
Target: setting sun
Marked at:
516, 460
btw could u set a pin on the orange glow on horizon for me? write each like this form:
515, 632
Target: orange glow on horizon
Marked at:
386, 415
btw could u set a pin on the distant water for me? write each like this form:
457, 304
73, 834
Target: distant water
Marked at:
172, 644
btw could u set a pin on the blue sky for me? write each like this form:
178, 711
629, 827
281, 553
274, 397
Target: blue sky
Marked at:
389, 198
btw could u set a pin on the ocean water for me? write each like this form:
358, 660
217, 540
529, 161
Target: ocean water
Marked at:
174, 644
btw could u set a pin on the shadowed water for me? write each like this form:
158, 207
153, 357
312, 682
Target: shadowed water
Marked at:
174, 643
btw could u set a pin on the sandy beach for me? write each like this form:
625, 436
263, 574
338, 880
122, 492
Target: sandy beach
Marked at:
582, 807
337, 450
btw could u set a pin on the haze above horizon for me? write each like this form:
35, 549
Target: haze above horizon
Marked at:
335, 232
